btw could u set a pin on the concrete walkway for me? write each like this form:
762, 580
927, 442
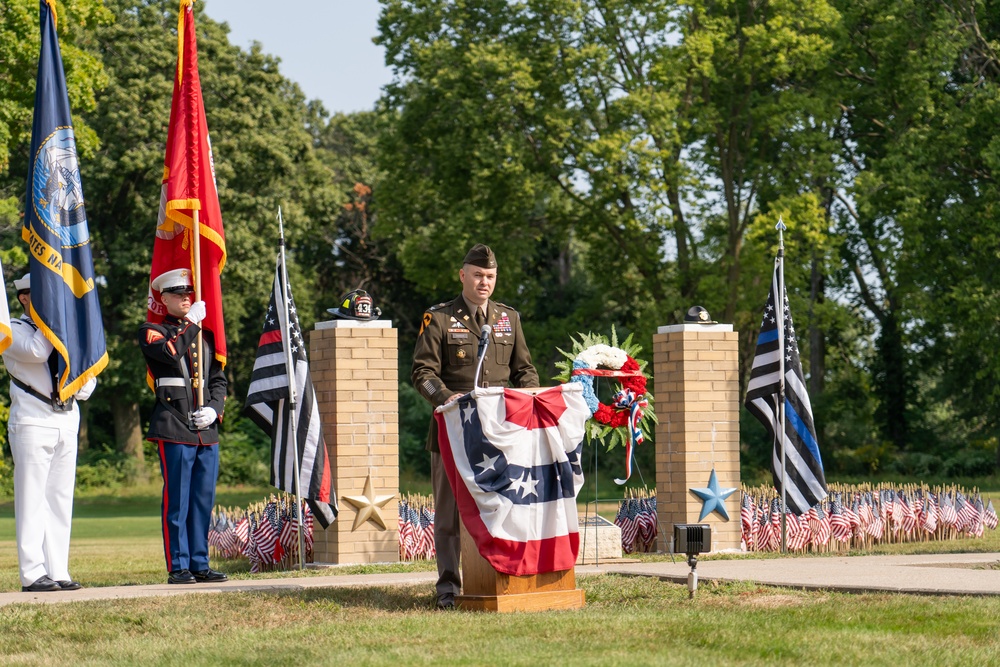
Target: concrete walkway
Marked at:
934, 574
930, 574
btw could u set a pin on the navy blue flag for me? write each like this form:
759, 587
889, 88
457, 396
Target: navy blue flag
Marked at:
806, 483
64, 301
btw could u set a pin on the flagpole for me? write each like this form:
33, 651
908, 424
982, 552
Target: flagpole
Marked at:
293, 420
780, 316
199, 385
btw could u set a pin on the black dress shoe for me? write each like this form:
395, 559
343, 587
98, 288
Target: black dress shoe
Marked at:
209, 576
70, 585
446, 602
180, 577
42, 585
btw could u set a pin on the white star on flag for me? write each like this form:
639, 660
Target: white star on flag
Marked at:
528, 485
487, 462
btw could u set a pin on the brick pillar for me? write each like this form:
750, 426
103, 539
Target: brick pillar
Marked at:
355, 370
696, 376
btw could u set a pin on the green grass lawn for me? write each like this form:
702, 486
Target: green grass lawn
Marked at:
627, 621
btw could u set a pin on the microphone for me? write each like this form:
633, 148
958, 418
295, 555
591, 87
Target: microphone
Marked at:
484, 338
484, 341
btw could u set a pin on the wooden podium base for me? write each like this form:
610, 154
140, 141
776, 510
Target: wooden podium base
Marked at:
485, 589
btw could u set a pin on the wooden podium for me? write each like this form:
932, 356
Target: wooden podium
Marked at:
485, 589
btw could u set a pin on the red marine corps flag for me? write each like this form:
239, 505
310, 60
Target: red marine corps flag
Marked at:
189, 230
513, 461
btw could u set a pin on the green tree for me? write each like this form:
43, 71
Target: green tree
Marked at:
646, 131
19, 45
918, 93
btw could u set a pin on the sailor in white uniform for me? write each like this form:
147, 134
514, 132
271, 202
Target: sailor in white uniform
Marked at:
42, 432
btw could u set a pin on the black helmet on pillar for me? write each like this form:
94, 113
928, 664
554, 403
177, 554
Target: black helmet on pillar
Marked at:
356, 305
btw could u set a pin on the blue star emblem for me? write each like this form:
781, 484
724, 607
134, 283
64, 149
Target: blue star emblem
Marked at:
714, 498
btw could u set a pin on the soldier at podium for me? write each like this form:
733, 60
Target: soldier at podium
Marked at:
444, 368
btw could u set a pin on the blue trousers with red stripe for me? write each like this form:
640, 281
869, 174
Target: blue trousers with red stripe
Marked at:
189, 476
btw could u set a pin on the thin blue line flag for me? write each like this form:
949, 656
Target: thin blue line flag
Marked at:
805, 481
64, 301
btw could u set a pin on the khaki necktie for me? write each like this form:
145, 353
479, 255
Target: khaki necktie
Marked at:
480, 318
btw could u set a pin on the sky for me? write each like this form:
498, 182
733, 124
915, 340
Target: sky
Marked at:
325, 45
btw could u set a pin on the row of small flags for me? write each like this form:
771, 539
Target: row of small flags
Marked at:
265, 533
863, 516
416, 527
637, 519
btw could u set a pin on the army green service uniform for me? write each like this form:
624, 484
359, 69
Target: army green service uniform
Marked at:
444, 363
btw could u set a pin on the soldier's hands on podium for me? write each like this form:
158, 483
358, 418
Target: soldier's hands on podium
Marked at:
197, 312
204, 417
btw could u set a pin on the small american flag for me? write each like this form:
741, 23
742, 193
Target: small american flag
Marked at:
852, 516
646, 520
978, 524
799, 532
990, 516
747, 524
929, 516
840, 526
819, 524
427, 547
250, 545
947, 509
406, 547
967, 514
271, 514
909, 522
265, 539
418, 532
288, 538
630, 529
767, 540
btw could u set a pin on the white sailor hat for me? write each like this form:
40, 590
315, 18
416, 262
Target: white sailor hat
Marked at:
178, 280
23, 283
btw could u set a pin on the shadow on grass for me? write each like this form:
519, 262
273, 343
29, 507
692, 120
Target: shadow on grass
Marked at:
368, 598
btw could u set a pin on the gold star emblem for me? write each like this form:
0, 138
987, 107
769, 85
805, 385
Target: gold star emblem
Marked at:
367, 505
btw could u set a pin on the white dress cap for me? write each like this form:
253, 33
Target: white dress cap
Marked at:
178, 280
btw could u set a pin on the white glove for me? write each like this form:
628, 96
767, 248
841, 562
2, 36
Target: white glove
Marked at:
206, 416
197, 312
86, 390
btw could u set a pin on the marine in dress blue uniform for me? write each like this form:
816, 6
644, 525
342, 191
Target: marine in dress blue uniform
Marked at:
185, 434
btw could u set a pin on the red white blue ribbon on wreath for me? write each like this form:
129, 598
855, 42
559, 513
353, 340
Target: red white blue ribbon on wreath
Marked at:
627, 404
626, 399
